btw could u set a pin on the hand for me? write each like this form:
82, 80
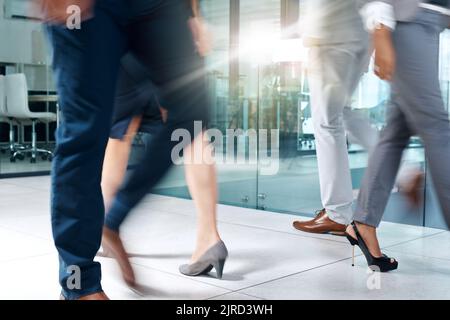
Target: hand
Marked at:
384, 54
55, 11
201, 34
164, 114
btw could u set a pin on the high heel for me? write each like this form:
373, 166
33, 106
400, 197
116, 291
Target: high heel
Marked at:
354, 243
215, 257
381, 264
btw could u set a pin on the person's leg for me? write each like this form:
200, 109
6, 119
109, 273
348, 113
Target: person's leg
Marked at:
417, 78
85, 63
359, 129
201, 180
379, 178
116, 161
418, 108
165, 46
329, 77
357, 125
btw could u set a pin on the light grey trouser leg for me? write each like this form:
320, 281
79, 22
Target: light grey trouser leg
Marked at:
359, 129
333, 77
417, 108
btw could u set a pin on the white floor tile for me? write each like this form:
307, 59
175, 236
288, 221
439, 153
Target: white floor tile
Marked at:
269, 259
436, 246
417, 278
235, 296
163, 242
15, 245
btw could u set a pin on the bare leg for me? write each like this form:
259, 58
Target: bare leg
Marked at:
114, 170
116, 161
201, 179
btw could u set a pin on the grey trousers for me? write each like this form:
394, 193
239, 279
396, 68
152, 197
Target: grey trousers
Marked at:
417, 108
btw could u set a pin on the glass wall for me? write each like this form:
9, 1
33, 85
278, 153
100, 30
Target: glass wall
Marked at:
263, 86
257, 82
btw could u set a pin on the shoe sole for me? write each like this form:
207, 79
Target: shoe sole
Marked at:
333, 233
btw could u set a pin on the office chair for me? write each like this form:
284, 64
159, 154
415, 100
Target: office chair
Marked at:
17, 108
12, 145
2, 104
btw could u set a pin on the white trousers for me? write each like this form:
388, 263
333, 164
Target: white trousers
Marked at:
334, 74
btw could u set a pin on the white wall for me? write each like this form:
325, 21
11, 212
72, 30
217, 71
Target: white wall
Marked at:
23, 43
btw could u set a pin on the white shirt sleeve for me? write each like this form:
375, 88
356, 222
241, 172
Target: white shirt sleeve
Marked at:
378, 13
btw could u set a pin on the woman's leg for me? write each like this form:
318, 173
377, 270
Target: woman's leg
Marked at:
201, 180
116, 161
114, 170
380, 175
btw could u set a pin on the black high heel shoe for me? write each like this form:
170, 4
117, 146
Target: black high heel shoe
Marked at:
381, 264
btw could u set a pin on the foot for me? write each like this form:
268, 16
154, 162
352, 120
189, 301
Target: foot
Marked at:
94, 296
203, 245
320, 224
112, 244
413, 189
369, 236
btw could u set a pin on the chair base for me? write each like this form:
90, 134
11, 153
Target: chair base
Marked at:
33, 152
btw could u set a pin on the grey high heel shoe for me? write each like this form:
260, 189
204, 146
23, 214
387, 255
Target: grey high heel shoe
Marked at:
215, 258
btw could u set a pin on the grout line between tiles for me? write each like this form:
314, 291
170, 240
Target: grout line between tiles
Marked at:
415, 239
259, 228
26, 187
293, 274
26, 258
241, 293
24, 233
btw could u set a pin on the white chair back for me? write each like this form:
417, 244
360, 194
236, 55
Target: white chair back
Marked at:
2, 96
16, 90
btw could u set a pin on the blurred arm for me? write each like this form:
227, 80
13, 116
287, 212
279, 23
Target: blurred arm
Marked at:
199, 29
379, 19
377, 13
195, 8
56, 11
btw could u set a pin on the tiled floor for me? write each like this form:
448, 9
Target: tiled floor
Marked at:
268, 258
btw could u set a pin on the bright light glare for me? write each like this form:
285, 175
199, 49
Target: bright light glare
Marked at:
290, 50
264, 46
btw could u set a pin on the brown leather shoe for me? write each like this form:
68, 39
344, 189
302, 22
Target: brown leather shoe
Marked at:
112, 244
321, 224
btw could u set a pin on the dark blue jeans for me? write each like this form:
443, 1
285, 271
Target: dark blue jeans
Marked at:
86, 64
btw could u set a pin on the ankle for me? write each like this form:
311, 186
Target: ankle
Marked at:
207, 239
366, 229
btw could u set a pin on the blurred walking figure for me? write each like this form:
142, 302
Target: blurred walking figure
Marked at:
406, 36
180, 85
340, 54
137, 110
86, 64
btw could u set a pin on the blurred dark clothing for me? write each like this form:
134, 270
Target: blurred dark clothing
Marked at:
86, 65
135, 96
